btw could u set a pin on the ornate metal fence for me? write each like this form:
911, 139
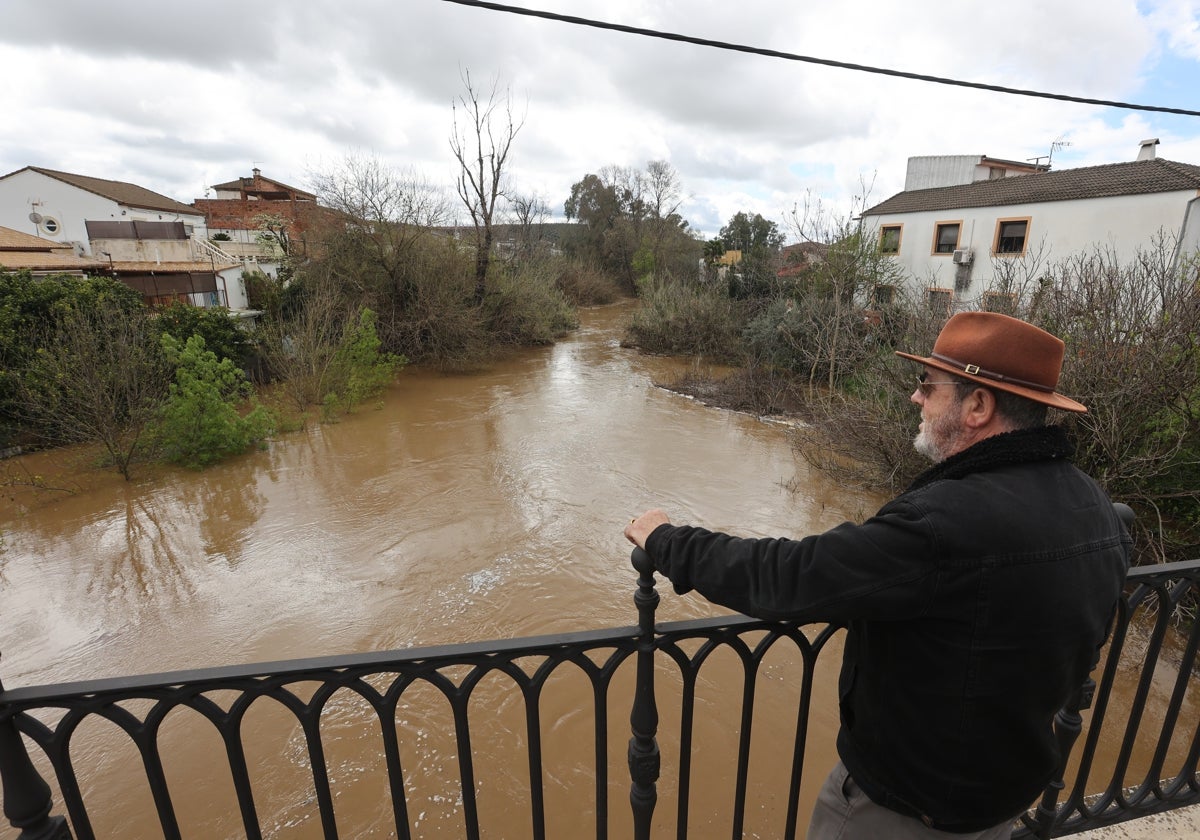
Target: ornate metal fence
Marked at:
678, 656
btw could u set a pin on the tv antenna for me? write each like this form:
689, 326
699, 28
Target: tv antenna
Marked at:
1057, 144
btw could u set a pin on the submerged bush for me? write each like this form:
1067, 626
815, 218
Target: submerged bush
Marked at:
360, 370
688, 320
199, 423
525, 307
584, 285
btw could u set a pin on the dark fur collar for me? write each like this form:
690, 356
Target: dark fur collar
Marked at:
1022, 446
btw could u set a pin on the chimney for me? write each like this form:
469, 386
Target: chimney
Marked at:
1146, 149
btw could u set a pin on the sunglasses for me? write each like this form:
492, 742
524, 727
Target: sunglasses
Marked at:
925, 385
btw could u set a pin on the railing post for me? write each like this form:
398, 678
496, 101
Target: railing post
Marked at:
27, 799
643, 720
1068, 723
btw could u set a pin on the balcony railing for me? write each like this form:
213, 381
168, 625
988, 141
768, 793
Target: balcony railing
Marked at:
1154, 768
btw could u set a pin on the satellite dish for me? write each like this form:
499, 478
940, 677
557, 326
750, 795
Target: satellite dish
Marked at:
35, 217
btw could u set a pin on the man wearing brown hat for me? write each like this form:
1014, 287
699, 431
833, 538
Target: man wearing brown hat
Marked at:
975, 601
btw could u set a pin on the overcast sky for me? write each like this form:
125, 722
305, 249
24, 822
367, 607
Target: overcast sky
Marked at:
177, 97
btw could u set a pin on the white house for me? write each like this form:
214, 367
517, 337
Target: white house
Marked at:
952, 239
149, 241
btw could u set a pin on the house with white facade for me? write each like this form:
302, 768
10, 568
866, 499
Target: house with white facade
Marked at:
150, 242
957, 223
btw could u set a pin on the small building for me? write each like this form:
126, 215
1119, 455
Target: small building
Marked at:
140, 236
953, 240
236, 215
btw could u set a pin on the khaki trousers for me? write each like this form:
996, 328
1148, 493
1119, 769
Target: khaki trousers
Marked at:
844, 812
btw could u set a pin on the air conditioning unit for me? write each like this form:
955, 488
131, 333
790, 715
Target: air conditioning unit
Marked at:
964, 256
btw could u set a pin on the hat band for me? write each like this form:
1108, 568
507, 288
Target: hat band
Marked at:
976, 370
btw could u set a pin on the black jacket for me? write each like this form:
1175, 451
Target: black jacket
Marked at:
975, 601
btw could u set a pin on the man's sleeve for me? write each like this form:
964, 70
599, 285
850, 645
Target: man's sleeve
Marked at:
884, 568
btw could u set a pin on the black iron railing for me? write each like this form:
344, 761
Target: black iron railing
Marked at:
640, 668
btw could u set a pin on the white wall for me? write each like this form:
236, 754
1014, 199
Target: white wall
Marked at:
28, 191
235, 288
1057, 230
926, 171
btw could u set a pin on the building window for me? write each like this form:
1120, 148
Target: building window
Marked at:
883, 295
1011, 236
945, 237
940, 300
50, 225
889, 239
1003, 302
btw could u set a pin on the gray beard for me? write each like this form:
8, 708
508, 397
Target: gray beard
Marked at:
925, 444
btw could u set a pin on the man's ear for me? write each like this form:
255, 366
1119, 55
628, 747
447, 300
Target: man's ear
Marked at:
979, 408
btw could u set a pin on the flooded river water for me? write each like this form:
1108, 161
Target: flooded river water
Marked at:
463, 508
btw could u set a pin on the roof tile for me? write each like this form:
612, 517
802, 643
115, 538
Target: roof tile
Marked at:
130, 195
1113, 179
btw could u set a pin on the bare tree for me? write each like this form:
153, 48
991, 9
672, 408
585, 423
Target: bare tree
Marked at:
275, 232
99, 375
528, 213
481, 143
385, 214
301, 351
664, 192
842, 281
663, 197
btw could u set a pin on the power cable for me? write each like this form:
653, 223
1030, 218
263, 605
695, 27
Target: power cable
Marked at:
843, 65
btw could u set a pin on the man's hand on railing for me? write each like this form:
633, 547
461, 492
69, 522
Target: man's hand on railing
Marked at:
640, 527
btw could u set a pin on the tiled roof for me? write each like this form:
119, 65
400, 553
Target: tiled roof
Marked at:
14, 240
20, 250
131, 195
46, 261
151, 267
1113, 179
261, 185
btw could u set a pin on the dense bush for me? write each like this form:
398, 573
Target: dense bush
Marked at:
688, 319
97, 374
221, 333
525, 307
328, 355
360, 369
29, 308
816, 339
585, 285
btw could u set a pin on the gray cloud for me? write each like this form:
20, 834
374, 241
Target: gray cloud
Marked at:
169, 96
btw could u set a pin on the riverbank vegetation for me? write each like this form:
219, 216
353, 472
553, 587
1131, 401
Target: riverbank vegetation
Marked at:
813, 335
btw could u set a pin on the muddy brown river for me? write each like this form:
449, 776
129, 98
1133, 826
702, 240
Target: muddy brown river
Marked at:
460, 508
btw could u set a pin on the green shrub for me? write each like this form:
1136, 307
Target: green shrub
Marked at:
199, 423
221, 333
360, 370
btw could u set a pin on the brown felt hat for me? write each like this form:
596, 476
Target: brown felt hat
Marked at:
1002, 353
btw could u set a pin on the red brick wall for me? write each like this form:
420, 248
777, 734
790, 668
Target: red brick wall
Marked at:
236, 214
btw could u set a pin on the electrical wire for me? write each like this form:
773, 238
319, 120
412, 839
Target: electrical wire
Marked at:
843, 65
